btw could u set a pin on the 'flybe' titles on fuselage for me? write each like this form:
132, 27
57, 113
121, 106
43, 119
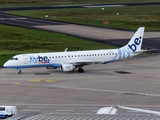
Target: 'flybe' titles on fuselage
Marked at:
39, 59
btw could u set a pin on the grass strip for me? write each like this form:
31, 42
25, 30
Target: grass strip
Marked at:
8, 3
115, 17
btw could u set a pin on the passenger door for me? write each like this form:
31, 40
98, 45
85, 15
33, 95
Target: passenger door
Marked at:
25, 57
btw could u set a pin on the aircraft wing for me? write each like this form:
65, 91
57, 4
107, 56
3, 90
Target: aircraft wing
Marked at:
79, 63
88, 62
141, 110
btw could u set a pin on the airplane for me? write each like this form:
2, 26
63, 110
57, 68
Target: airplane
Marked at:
71, 60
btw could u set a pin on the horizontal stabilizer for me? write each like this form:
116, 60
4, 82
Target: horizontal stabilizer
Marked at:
142, 50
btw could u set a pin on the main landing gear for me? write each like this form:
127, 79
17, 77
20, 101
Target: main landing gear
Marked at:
80, 70
20, 70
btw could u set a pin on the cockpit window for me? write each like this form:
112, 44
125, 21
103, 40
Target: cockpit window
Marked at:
2, 108
14, 59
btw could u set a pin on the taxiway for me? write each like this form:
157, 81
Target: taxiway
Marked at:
134, 82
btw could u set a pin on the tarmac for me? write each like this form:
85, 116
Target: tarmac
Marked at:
132, 82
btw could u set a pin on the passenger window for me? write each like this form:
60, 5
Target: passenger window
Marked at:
16, 58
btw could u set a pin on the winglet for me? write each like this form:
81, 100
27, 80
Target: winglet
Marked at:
66, 50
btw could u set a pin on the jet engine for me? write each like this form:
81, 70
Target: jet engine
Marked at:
67, 67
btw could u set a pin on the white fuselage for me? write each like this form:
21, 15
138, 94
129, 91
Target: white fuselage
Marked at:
57, 58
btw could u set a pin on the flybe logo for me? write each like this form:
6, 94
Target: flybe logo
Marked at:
133, 46
39, 59
124, 53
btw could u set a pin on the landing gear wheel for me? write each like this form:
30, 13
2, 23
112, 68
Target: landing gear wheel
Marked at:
20, 72
80, 70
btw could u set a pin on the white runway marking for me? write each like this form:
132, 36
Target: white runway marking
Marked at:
94, 111
37, 107
111, 91
35, 110
88, 107
65, 110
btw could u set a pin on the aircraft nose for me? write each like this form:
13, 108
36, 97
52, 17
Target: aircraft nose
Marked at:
6, 64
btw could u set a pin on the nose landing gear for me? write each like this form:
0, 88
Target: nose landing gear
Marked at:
19, 72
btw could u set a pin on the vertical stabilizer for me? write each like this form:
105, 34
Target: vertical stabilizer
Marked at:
133, 47
135, 43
